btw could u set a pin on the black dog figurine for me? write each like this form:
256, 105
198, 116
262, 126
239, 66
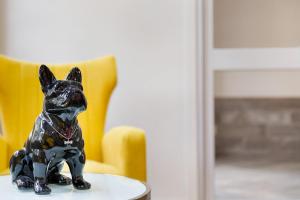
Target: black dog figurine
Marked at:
56, 137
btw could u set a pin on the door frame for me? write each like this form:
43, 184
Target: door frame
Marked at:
199, 100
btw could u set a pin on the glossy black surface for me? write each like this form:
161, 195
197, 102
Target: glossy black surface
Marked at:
56, 137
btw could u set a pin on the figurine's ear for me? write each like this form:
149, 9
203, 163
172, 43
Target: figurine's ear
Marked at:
74, 75
46, 77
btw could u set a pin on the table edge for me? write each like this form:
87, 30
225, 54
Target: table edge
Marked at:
146, 195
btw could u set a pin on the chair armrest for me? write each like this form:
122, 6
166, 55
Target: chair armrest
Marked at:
125, 148
3, 154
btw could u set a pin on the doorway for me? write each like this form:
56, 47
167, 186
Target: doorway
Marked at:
257, 134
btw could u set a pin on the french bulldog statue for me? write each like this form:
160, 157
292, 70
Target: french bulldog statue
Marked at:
56, 137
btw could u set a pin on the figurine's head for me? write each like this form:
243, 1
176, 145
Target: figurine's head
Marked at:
62, 97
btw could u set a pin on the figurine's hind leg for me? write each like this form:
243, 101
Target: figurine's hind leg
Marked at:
24, 182
55, 177
20, 170
16, 163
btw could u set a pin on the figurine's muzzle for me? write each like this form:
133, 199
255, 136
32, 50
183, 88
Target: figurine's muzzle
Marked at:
77, 99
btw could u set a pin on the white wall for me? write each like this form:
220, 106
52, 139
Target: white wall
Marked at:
149, 39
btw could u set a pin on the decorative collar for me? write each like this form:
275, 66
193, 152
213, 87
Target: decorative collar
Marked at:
67, 134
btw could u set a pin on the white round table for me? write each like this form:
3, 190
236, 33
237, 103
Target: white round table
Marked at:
104, 187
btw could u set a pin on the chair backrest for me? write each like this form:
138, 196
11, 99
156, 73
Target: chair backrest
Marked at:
21, 99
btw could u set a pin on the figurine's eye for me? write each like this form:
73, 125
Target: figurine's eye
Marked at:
60, 88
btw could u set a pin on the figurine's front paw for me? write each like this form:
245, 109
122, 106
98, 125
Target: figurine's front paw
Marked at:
59, 179
41, 188
80, 184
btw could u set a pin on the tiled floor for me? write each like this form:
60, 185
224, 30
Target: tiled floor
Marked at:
257, 180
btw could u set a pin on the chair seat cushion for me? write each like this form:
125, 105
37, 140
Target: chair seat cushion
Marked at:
91, 166
4, 172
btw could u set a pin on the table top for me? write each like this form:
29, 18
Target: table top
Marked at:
104, 187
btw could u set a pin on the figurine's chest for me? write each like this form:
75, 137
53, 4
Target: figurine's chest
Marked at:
47, 137
52, 139
61, 153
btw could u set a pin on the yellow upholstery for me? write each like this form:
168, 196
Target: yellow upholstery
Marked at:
124, 147
3, 154
122, 151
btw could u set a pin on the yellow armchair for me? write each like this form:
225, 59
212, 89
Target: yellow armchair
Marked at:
122, 151
3, 154
124, 147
